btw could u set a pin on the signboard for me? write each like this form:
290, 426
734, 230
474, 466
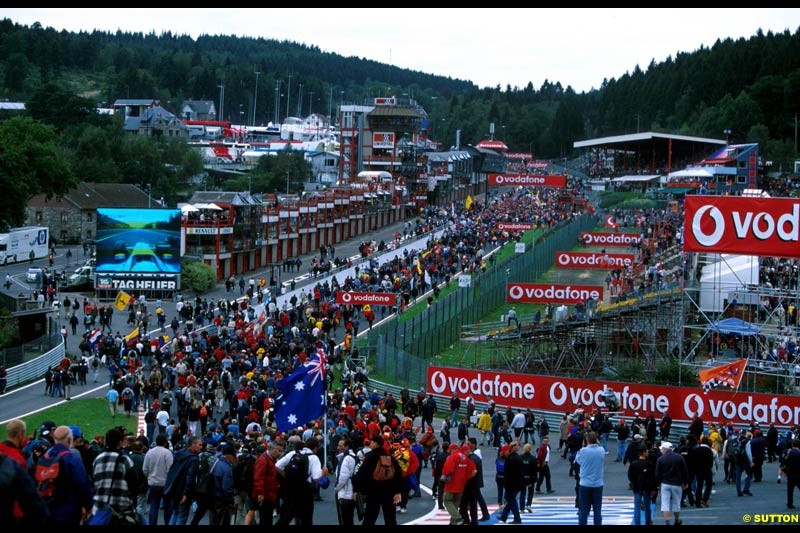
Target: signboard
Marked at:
609, 239
519, 247
383, 139
362, 298
136, 282
386, 101
557, 394
138, 240
526, 180
737, 225
228, 230
514, 226
552, 293
593, 260
465, 280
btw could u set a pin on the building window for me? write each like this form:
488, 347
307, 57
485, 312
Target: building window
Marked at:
39, 216
64, 217
89, 216
63, 234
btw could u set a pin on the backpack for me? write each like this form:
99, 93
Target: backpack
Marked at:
46, 474
243, 473
355, 479
205, 486
384, 469
203, 411
296, 472
95, 362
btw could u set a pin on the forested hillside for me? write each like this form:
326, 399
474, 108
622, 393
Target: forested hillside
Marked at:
749, 86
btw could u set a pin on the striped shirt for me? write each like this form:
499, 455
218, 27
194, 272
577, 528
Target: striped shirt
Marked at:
106, 469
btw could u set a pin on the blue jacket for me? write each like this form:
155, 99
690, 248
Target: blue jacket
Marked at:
73, 488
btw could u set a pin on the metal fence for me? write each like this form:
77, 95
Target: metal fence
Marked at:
51, 348
402, 350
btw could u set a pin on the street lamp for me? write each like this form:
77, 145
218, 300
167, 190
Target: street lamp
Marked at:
727, 133
287, 182
255, 99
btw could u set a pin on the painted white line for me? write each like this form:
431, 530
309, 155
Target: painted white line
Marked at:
60, 402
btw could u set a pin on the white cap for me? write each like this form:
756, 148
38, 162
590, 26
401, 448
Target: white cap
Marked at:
666, 445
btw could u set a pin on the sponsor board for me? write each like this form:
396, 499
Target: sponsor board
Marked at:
609, 239
465, 280
551, 292
136, 282
514, 226
500, 180
750, 226
361, 298
383, 139
209, 231
519, 248
593, 260
550, 393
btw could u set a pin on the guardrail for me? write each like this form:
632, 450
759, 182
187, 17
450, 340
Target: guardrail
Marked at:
35, 369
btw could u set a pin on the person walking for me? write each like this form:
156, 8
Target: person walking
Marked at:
345, 496
157, 462
543, 455
591, 460
512, 484
381, 495
641, 475
72, 501
111, 474
673, 477
181, 482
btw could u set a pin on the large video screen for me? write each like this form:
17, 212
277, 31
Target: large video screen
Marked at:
138, 240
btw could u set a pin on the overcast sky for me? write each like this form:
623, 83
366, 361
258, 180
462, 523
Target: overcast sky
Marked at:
577, 47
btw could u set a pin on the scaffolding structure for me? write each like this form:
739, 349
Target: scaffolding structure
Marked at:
643, 331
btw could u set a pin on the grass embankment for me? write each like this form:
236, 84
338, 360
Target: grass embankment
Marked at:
90, 414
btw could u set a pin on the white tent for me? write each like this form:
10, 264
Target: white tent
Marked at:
188, 208
731, 273
691, 173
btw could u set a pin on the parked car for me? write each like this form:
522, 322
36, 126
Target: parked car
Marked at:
34, 275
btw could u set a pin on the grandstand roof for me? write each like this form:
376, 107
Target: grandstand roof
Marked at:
635, 138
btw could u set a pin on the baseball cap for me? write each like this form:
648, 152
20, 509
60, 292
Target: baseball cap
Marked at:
76, 432
666, 445
453, 447
466, 449
637, 437
504, 450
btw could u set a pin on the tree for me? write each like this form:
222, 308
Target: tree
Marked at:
30, 163
197, 277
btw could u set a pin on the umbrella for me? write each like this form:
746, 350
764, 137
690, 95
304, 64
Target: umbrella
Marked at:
213, 207
189, 208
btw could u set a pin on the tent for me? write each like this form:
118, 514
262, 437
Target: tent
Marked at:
734, 325
719, 279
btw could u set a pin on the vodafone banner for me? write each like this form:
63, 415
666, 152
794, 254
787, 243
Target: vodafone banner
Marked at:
526, 180
514, 226
549, 393
371, 298
609, 239
593, 260
553, 293
751, 226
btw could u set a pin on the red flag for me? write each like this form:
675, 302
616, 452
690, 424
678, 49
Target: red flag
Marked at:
611, 222
727, 375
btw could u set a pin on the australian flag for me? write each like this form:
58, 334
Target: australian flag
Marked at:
302, 394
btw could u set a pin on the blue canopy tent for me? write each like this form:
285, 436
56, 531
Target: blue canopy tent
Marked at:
733, 325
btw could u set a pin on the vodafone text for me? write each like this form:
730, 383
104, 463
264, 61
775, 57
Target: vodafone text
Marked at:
515, 226
531, 292
578, 260
607, 239
360, 298
764, 226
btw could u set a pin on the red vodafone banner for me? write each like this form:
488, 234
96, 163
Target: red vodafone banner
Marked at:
751, 226
514, 226
362, 298
526, 180
551, 393
593, 260
609, 239
551, 292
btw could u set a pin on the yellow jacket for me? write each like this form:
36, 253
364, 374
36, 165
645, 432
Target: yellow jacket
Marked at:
485, 422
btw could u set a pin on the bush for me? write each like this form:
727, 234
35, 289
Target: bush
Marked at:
197, 277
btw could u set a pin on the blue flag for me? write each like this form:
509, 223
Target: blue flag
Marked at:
302, 394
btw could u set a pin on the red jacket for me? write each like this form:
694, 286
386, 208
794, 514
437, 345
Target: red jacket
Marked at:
265, 478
